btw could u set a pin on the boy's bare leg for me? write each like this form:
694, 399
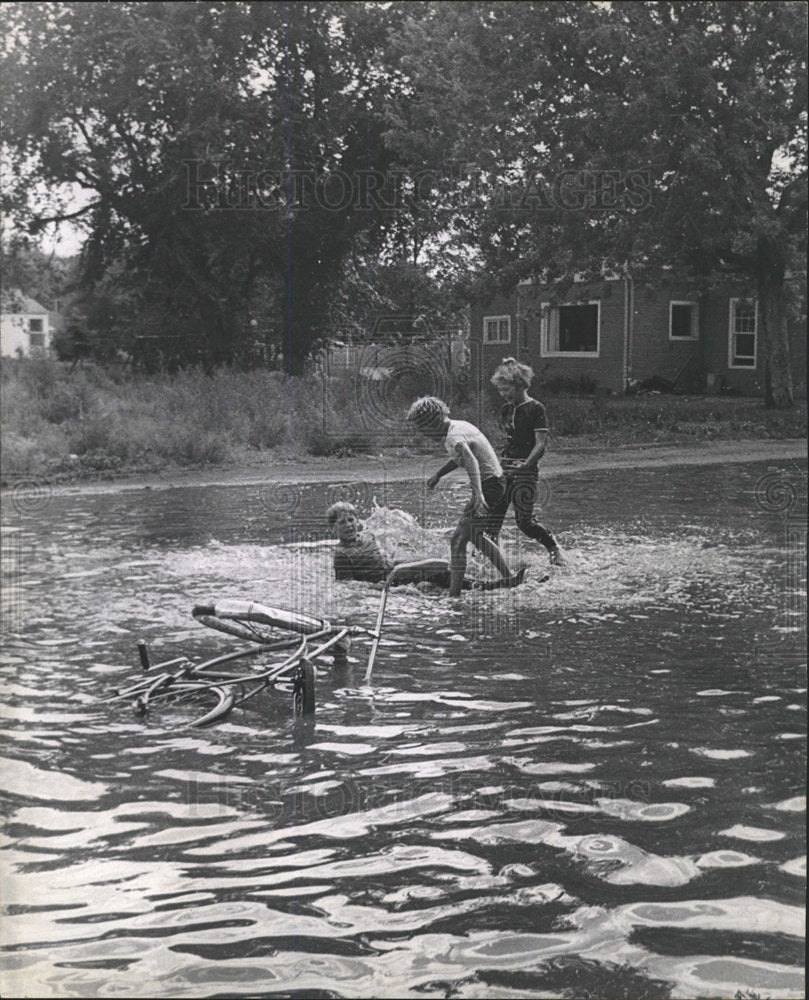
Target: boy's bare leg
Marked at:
492, 553
457, 562
415, 572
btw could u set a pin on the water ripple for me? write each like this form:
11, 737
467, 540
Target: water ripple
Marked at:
593, 785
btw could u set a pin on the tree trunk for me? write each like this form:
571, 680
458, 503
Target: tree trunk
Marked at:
293, 363
302, 306
215, 340
771, 288
294, 357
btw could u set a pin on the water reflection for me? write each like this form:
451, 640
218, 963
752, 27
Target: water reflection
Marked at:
593, 786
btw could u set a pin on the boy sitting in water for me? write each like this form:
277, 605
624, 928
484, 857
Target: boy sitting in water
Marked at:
358, 557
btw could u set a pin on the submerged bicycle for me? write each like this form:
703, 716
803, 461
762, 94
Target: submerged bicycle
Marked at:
296, 640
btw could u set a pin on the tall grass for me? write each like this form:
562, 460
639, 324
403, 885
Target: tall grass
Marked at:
621, 421
57, 421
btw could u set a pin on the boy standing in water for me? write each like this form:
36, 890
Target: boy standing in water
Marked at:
470, 450
525, 422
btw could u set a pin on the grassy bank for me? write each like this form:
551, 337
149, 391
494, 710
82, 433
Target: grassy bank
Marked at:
89, 422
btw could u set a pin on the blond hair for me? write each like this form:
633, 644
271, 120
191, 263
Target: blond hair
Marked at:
512, 373
428, 410
336, 509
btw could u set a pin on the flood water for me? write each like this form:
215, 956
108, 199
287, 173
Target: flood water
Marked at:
592, 786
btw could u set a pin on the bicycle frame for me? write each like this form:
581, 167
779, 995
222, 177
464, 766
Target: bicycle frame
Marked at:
274, 630
305, 640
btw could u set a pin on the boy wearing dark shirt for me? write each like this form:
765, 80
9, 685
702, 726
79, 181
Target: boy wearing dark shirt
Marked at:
526, 424
358, 557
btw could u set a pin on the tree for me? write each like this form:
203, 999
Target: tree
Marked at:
211, 144
724, 91
98, 98
26, 268
635, 136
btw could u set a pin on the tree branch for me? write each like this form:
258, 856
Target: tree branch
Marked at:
64, 216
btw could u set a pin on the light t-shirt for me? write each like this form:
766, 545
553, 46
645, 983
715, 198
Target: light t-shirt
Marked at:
462, 430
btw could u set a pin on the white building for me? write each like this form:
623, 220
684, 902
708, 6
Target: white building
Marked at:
25, 327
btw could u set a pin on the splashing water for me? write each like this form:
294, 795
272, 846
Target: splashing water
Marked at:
402, 538
604, 572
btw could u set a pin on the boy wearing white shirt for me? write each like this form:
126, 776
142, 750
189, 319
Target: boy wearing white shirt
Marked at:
468, 448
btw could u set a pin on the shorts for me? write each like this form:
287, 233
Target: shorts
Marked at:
496, 496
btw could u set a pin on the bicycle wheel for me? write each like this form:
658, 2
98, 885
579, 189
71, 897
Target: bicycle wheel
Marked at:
303, 688
174, 703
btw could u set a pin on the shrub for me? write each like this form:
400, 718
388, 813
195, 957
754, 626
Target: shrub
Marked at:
92, 435
186, 445
31, 456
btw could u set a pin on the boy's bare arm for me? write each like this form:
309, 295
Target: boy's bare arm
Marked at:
445, 469
540, 440
465, 457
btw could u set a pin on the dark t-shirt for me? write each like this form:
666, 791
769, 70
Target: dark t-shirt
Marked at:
361, 560
520, 422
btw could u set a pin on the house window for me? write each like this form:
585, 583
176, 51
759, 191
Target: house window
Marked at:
683, 320
496, 329
743, 333
36, 339
571, 330
35, 326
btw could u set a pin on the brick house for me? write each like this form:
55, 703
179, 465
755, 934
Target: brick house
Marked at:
615, 333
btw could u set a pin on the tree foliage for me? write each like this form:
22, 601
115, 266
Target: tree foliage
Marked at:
46, 277
208, 141
249, 171
632, 136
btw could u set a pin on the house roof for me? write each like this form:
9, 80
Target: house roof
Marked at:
15, 301
389, 324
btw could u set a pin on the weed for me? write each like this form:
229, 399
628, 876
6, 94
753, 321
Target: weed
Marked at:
58, 419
